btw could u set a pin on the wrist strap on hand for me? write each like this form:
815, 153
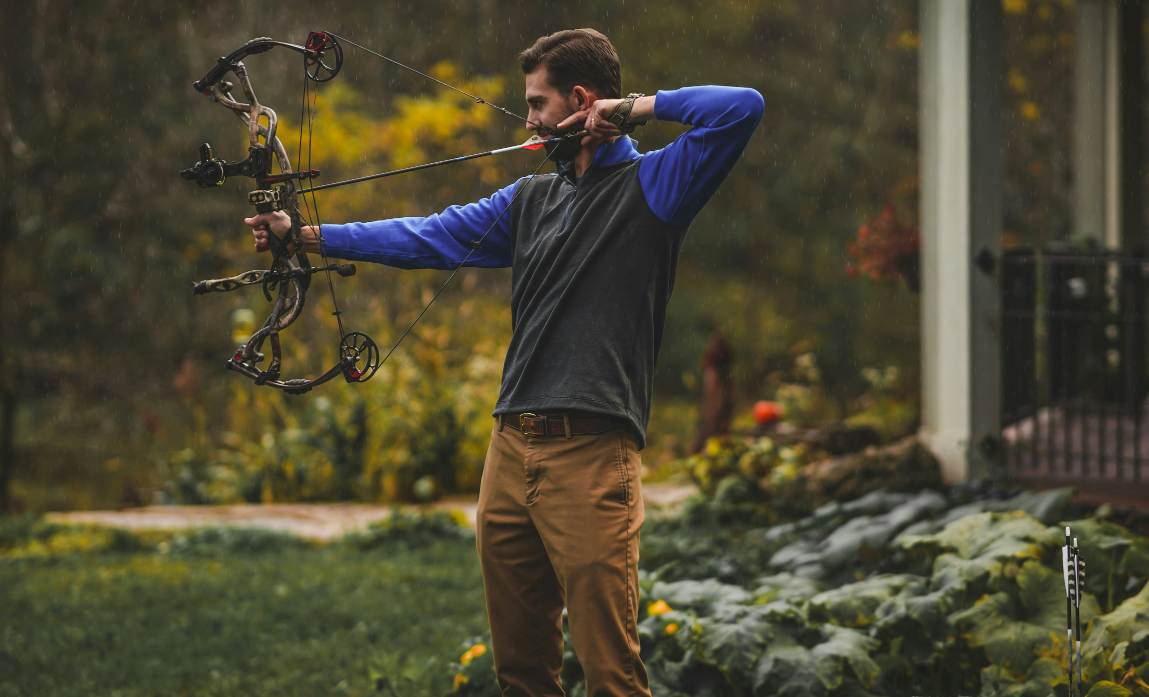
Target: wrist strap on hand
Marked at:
621, 115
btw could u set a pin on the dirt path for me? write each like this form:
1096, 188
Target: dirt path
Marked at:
317, 521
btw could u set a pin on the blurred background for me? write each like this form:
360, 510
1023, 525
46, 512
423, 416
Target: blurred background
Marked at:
906, 348
801, 275
113, 379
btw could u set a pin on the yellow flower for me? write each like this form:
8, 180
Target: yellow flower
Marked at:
909, 41
1015, 7
1017, 81
1029, 111
671, 628
472, 653
460, 680
658, 607
713, 447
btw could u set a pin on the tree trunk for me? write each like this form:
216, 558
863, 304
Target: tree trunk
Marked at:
7, 448
717, 405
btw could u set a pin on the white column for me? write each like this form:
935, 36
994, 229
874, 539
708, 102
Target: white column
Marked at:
1095, 210
960, 70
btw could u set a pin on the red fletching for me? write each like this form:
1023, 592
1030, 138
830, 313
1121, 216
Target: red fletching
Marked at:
534, 146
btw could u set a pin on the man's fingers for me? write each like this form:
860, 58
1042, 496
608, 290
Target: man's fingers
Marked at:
259, 221
259, 237
573, 119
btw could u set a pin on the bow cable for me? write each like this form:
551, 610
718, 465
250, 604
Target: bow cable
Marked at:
477, 99
312, 207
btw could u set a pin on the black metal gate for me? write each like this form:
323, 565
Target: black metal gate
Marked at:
1074, 371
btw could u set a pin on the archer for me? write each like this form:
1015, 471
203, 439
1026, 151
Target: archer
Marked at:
593, 249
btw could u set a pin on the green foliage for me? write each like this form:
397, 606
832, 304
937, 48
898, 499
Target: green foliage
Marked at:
29, 537
757, 478
1117, 644
763, 262
739, 471
412, 530
891, 593
227, 541
475, 671
889, 405
232, 612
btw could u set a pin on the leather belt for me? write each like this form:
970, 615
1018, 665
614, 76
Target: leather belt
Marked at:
567, 424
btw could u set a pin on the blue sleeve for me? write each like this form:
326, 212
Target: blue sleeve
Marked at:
680, 178
438, 241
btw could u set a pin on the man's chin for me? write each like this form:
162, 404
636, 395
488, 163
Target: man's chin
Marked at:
560, 149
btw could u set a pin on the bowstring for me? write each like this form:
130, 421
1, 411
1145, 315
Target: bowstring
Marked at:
310, 213
313, 206
474, 97
474, 248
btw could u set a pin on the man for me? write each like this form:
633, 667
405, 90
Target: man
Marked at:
593, 249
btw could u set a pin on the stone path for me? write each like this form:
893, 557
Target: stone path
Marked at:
322, 521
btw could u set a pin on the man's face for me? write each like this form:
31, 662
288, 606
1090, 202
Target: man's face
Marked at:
546, 106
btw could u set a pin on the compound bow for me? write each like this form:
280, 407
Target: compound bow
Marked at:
286, 282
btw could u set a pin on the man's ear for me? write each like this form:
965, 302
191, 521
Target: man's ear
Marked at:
583, 98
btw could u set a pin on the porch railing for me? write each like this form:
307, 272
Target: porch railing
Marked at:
1074, 380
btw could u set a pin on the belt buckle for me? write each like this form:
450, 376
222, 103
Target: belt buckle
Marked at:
532, 424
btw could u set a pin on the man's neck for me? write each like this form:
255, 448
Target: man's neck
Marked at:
584, 158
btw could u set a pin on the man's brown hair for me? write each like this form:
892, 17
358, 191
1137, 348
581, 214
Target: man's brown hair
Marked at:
576, 57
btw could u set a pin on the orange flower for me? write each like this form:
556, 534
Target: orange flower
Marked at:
472, 653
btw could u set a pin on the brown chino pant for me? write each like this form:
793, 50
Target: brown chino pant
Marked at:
558, 524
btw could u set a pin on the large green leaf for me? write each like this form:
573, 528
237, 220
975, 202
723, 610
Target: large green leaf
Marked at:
855, 604
859, 538
1114, 557
784, 586
996, 536
702, 596
786, 670
1038, 681
989, 624
1107, 688
734, 642
845, 654
1014, 629
913, 626
1119, 641
957, 578
1042, 594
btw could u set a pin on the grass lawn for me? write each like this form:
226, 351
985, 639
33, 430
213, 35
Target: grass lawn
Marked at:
276, 618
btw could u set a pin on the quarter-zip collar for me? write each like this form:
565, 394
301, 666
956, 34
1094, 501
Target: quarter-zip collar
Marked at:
608, 154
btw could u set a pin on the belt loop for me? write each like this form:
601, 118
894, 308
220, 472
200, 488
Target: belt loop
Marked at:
567, 425
501, 422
